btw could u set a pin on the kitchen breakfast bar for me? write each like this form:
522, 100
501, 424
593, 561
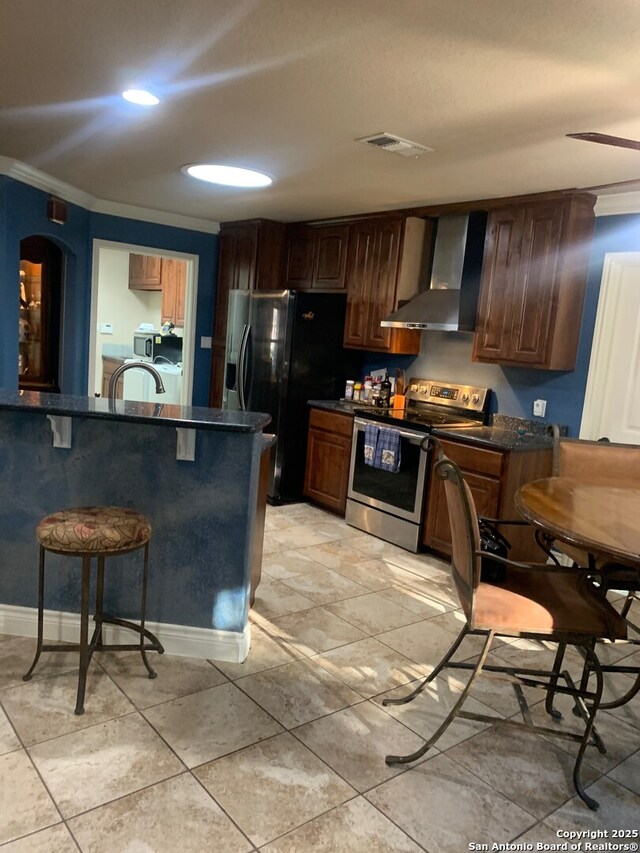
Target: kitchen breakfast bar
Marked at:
198, 474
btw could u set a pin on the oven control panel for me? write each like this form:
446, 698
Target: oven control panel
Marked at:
447, 394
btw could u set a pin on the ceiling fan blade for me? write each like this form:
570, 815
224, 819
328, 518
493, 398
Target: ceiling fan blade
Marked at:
605, 139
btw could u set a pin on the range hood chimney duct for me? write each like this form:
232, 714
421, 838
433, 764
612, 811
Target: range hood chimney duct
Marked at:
451, 300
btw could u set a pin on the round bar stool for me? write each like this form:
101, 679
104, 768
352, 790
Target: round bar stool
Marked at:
87, 532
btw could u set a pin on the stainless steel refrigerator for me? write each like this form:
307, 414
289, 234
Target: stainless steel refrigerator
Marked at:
284, 348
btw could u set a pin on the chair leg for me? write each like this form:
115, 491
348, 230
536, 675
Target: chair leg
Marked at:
593, 666
85, 653
445, 660
627, 605
97, 634
143, 610
27, 675
391, 760
557, 666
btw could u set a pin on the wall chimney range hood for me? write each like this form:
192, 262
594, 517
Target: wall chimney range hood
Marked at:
450, 301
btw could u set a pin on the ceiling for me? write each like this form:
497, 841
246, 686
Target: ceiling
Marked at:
286, 86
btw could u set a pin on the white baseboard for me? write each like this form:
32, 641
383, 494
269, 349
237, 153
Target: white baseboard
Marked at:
183, 640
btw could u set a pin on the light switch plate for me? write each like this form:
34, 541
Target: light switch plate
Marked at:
205, 342
539, 408
106, 328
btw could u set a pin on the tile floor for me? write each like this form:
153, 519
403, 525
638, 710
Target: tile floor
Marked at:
285, 752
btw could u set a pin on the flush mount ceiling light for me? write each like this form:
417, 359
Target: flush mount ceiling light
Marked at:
228, 176
141, 97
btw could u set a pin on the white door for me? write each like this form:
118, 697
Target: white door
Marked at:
612, 399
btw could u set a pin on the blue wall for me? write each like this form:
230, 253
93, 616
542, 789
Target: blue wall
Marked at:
447, 355
23, 212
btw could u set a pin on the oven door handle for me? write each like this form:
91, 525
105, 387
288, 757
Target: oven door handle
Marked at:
359, 422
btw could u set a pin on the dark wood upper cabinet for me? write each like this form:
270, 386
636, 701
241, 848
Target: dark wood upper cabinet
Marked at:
385, 260
250, 255
534, 277
316, 256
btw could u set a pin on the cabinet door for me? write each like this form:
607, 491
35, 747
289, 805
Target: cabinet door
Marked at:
330, 257
536, 284
145, 272
383, 284
437, 531
359, 273
327, 470
174, 274
300, 257
499, 273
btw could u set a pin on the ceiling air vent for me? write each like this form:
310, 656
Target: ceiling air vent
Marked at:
395, 144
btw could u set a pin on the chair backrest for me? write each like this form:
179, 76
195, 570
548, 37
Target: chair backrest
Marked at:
596, 461
465, 534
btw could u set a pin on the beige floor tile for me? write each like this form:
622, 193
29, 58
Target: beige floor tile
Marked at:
55, 839
211, 723
375, 575
289, 563
25, 805
531, 771
424, 565
176, 815
336, 555
619, 809
422, 604
373, 613
8, 738
267, 650
274, 598
439, 588
301, 536
370, 667
375, 547
427, 642
317, 630
356, 740
273, 787
628, 773
445, 808
90, 767
355, 827
298, 692
44, 708
427, 711
269, 544
325, 586
177, 676
279, 521
16, 656
337, 529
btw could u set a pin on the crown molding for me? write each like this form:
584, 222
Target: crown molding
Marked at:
42, 181
616, 203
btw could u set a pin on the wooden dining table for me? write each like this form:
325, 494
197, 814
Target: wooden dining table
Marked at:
603, 520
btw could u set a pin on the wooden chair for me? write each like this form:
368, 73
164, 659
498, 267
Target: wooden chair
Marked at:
536, 601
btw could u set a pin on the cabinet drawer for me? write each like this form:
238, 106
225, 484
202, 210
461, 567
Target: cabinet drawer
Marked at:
474, 458
331, 422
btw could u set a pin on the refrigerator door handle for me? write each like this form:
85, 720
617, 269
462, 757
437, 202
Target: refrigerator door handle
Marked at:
242, 368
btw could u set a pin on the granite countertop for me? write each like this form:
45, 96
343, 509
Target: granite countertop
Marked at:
501, 438
344, 406
162, 414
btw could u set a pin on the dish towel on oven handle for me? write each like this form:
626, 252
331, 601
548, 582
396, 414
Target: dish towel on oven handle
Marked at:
370, 443
387, 456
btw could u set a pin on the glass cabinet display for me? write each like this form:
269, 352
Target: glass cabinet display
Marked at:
39, 314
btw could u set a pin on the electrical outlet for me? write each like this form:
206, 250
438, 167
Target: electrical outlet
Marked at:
539, 408
106, 328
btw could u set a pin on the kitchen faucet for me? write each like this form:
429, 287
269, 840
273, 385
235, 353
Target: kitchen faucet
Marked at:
117, 373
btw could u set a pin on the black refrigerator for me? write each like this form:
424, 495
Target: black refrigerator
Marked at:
284, 347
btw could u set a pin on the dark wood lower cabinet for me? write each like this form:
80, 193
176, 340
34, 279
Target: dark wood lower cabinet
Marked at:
493, 476
328, 455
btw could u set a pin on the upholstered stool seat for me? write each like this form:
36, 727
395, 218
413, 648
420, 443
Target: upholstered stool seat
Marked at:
87, 532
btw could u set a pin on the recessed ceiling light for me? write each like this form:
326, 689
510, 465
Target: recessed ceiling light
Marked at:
140, 96
229, 176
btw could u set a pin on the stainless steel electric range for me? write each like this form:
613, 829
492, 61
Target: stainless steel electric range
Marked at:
389, 505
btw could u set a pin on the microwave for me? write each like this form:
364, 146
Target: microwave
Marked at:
148, 347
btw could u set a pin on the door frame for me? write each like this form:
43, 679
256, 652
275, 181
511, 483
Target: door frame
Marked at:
603, 339
190, 295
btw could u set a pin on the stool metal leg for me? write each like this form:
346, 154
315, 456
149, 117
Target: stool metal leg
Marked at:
97, 637
143, 611
85, 650
27, 675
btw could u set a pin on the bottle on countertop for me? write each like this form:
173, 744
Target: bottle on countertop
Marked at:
348, 390
357, 392
367, 390
385, 392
